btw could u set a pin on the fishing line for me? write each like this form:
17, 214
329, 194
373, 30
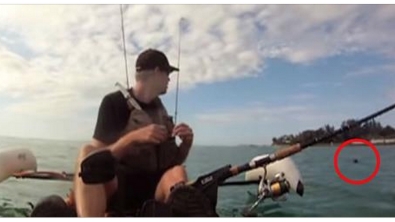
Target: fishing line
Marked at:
178, 74
124, 48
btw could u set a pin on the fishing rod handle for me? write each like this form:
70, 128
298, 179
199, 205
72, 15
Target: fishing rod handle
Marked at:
286, 152
278, 155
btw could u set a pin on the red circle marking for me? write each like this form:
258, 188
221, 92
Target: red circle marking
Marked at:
351, 181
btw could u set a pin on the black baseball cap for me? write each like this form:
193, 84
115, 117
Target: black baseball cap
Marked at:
152, 58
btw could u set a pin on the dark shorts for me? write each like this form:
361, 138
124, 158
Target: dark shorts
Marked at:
133, 190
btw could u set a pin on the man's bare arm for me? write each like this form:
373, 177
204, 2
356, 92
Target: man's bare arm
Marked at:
98, 144
183, 151
153, 134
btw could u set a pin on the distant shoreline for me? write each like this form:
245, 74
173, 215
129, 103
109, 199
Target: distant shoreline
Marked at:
338, 144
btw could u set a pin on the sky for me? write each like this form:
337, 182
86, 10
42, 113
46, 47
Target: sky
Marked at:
248, 72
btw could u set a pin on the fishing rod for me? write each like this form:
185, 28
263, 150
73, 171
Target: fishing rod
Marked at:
50, 175
69, 176
209, 183
223, 173
293, 149
124, 48
178, 66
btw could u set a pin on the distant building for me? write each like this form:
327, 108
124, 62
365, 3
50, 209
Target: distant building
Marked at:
383, 141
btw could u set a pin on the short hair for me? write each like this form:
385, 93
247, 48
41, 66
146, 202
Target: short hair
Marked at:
143, 74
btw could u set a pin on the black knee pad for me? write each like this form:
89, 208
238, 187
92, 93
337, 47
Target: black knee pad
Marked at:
98, 167
53, 206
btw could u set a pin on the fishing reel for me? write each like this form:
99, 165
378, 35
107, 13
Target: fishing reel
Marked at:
276, 189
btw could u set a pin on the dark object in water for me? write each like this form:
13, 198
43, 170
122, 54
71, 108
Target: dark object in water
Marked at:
355, 160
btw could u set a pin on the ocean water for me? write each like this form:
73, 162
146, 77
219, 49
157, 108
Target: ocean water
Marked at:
326, 195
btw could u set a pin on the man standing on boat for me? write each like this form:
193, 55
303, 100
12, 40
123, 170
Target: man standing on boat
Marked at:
134, 127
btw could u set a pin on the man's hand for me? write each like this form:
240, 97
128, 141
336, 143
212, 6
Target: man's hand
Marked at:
184, 132
152, 133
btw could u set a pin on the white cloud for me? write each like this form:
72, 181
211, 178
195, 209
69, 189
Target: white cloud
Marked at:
232, 43
259, 123
71, 55
375, 70
268, 114
59, 105
304, 33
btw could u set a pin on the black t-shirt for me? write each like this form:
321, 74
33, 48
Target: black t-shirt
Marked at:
113, 116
